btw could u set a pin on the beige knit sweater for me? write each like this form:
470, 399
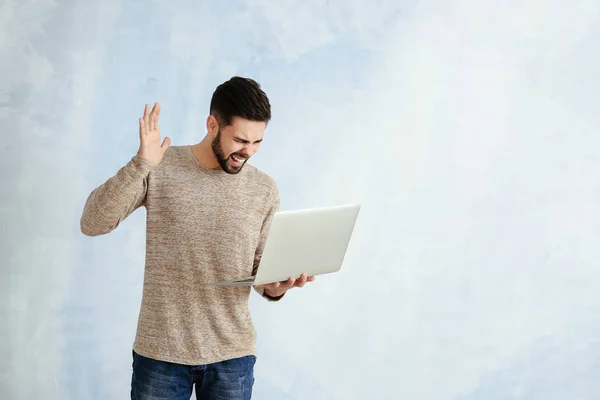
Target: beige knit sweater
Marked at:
202, 226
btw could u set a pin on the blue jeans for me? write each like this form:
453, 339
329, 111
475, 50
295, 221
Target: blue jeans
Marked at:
227, 380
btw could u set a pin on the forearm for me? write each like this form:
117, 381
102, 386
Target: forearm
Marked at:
117, 198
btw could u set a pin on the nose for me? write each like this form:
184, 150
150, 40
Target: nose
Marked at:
246, 152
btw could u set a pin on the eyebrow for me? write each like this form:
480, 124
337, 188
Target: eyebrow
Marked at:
239, 139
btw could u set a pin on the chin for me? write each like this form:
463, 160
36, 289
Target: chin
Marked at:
232, 170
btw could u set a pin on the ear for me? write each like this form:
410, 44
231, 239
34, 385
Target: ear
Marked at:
212, 126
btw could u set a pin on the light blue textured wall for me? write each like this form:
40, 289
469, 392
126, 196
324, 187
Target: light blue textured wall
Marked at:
469, 130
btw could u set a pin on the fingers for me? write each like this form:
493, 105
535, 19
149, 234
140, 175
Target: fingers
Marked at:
154, 116
149, 122
303, 280
146, 119
290, 283
300, 282
282, 287
142, 128
166, 143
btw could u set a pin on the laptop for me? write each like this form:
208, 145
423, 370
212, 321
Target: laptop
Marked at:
312, 241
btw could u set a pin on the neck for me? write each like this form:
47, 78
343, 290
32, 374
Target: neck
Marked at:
204, 154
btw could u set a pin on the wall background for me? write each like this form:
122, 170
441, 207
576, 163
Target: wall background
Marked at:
469, 130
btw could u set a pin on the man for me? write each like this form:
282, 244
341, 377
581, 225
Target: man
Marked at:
208, 216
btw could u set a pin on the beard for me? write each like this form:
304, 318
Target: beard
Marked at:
224, 160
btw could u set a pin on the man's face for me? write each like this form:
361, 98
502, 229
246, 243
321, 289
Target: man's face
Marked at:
235, 143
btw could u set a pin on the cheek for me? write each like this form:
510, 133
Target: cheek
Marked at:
229, 150
236, 149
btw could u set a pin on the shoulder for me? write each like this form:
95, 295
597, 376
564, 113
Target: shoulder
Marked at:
175, 154
173, 157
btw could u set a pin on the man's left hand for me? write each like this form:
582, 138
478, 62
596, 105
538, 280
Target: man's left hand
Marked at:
278, 289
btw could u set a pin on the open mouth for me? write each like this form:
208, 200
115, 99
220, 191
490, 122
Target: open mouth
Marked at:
237, 160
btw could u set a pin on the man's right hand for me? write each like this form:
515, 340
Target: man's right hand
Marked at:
151, 148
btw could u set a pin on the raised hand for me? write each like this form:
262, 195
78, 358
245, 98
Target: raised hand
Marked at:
151, 148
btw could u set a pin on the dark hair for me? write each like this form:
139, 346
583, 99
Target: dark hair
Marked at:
240, 97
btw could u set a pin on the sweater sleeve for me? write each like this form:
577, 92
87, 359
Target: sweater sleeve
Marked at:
264, 233
114, 200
